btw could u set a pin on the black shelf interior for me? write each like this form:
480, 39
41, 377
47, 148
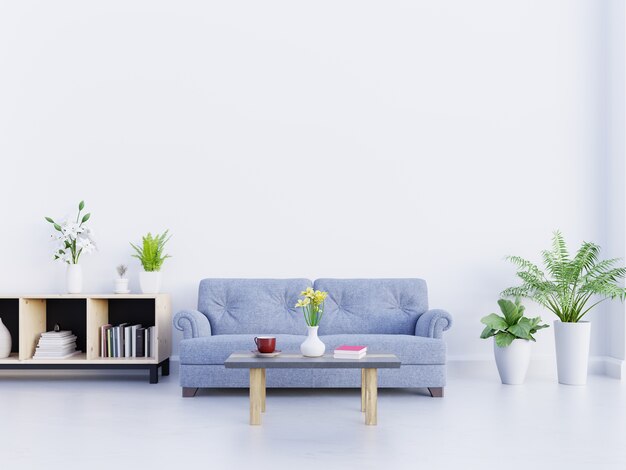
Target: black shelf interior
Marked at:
9, 313
132, 311
70, 314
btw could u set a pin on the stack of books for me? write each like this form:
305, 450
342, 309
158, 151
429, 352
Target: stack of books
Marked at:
125, 340
350, 352
56, 345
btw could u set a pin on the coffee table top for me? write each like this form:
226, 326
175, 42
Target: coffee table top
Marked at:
287, 360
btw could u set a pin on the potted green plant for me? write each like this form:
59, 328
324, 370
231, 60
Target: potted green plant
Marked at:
512, 333
570, 287
151, 256
312, 305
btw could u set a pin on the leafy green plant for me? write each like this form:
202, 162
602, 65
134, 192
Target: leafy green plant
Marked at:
568, 283
151, 251
512, 325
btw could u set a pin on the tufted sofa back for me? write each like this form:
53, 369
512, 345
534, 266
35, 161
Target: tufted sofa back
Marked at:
253, 306
258, 306
365, 306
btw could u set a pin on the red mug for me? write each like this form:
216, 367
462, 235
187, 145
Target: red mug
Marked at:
265, 344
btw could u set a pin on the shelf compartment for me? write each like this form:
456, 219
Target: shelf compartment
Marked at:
10, 315
115, 312
40, 315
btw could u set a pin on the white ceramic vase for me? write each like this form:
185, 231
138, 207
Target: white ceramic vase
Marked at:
121, 286
150, 282
312, 346
512, 361
5, 341
74, 279
572, 351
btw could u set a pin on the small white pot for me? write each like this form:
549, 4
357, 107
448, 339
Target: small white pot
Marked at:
150, 282
5, 341
572, 351
121, 286
74, 278
312, 346
512, 361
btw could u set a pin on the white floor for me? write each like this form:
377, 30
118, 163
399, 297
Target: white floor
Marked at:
95, 422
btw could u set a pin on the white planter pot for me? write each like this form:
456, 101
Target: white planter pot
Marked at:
74, 279
150, 282
512, 361
121, 286
5, 341
312, 346
572, 351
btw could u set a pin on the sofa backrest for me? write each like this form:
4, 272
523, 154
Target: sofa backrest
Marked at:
253, 306
385, 306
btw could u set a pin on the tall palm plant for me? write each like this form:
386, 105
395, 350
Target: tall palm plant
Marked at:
568, 284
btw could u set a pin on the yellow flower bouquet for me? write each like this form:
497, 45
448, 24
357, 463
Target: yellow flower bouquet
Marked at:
312, 305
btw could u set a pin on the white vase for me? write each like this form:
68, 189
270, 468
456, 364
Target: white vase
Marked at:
572, 351
312, 346
150, 282
5, 341
74, 278
121, 286
512, 361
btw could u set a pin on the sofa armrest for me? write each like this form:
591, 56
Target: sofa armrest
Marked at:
433, 323
192, 323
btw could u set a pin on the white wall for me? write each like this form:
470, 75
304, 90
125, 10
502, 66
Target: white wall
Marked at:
331, 138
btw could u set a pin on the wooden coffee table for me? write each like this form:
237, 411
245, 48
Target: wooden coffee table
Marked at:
369, 366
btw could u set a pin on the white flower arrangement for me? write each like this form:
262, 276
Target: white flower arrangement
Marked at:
72, 238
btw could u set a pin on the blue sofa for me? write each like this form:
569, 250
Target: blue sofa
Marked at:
386, 315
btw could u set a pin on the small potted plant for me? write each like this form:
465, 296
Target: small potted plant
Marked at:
566, 286
312, 305
512, 333
151, 256
73, 238
121, 283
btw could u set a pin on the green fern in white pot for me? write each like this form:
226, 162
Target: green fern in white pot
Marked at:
151, 255
570, 287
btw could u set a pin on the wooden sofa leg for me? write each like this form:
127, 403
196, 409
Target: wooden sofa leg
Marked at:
189, 392
436, 392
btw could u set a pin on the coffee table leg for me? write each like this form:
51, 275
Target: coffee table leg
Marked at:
263, 392
256, 395
371, 397
362, 390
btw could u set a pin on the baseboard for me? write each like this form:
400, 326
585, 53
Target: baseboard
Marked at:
541, 365
614, 367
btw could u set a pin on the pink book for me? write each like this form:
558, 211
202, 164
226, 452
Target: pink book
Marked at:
351, 349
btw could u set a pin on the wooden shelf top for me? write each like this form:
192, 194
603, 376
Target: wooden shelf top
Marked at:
83, 296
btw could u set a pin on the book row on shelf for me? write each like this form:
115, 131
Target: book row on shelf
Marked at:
126, 340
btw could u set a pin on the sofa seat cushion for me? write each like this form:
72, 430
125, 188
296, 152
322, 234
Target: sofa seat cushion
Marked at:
410, 349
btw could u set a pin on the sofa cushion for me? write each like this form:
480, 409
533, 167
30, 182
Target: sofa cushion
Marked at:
252, 305
389, 306
410, 349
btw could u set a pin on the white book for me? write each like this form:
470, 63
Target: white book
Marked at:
128, 342
153, 341
146, 341
57, 334
349, 356
39, 356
